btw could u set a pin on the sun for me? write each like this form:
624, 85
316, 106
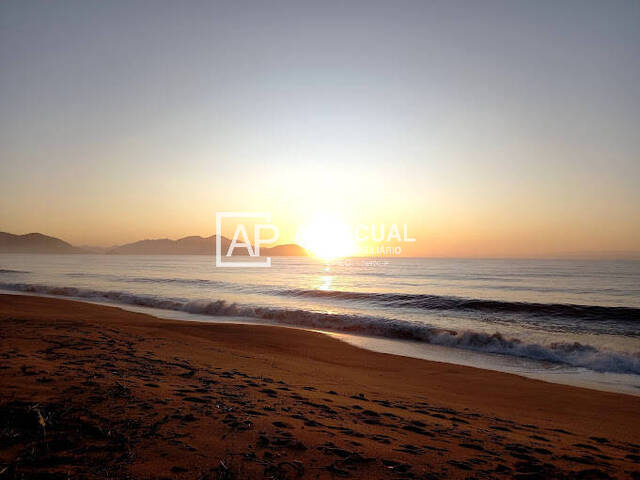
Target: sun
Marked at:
326, 237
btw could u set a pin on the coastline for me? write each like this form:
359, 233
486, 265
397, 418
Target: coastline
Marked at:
251, 399
567, 374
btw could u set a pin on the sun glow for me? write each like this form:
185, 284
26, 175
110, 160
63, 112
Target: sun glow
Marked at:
327, 237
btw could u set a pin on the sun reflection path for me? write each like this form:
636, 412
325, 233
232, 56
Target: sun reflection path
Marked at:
326, 282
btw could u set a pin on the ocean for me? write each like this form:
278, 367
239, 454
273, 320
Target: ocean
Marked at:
575, 322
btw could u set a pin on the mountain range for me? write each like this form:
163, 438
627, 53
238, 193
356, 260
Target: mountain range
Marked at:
35, 243
192, 245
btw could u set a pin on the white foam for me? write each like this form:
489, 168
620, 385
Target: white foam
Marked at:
574, 354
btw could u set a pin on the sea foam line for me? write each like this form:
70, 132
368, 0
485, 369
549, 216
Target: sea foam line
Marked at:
568, 353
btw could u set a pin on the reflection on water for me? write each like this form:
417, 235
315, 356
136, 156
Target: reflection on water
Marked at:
326, 283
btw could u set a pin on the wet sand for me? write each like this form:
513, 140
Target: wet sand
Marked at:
89, 391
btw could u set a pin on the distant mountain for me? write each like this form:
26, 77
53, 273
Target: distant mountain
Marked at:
287, 250
34, 243
196, 245
193, 245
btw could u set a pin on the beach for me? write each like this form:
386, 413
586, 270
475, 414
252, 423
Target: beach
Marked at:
515, 316
92, 391
319, 240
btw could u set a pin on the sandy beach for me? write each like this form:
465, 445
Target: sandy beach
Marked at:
89, 391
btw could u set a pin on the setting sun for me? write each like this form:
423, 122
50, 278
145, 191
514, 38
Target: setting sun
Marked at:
327, 237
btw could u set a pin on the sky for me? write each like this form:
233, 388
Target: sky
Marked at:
489, 128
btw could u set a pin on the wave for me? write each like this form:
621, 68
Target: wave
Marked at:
569, 353
439, 302
120, 278
5, 270
395, 300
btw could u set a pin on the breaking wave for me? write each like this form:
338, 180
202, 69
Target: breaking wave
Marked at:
573, 354
439, 302
404, 300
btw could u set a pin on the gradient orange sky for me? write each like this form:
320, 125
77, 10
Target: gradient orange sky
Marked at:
489, 128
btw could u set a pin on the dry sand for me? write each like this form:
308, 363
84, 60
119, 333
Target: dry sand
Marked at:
90, 391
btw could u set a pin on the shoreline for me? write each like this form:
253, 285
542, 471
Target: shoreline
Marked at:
253, 397
503, 363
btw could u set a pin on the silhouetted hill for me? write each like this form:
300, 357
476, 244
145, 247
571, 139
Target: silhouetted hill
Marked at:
196, 245
193, 245
287, 250
34, 243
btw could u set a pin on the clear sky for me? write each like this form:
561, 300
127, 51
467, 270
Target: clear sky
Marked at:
490, 128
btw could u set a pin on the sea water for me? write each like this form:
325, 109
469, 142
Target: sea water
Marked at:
568, 321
